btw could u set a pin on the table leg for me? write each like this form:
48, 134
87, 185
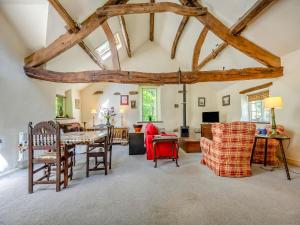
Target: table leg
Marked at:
284, 160
155, 158
173, 159
253, 149
266, 152
177, 148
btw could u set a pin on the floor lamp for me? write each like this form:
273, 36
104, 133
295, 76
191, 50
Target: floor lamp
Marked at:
94, 112
273, 103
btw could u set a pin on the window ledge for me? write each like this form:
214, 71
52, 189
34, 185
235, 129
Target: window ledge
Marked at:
150, 122
258, 122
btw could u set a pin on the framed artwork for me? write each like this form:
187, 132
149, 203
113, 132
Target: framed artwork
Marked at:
124, 100
77, 104
133, 104
176, 106
226, 100
201, 102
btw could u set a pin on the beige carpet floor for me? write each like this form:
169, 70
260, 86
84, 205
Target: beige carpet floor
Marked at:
136, 193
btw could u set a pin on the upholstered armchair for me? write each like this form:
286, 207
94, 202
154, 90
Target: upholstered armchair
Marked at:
273, 147
162, 149
229, 153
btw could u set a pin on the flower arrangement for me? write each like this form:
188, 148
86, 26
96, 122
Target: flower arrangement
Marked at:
107, 113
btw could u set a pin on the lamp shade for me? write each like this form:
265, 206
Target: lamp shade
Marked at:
94, 111
121, 111
273, 102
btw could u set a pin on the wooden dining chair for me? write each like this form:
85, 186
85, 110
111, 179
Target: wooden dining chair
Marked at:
110, 135
100, 150
45, 152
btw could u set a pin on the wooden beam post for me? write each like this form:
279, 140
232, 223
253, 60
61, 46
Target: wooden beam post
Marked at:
212, 55
68, 40
249, 48
112, 45
198, 47
132, 77
140, 8
125, 35
183, 22
151, 35
253, 12
238, 27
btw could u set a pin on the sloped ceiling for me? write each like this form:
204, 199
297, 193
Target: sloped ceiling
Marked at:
276, 30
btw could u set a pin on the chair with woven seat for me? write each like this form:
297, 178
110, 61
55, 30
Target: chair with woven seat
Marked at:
45, 150
100, 150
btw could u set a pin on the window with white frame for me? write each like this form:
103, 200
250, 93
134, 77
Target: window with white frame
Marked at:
257, 111
104, 50
150, 107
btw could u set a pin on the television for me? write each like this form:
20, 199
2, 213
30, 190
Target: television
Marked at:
210, 117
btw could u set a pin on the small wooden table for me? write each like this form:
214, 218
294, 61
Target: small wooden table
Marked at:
280, 138
169, 139
190, 145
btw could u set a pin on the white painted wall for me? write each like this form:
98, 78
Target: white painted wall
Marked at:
150, 57
287, 87
22, 99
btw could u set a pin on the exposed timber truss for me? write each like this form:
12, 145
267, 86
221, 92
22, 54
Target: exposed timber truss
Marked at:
189, 8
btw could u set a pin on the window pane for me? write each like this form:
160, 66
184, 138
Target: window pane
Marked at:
149, 104
60, 106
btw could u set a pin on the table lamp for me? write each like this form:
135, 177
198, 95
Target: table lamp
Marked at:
93, 111
122, 119
273, 103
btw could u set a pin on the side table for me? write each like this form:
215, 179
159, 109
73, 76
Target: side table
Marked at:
169, 139
280, 138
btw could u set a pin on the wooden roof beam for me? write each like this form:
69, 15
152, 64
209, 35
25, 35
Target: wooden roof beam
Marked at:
68, 40
253, 12
72, 27
212, 55
198, 47
125, 35
181, 27
151, 34
244, 45
238, 27
132, 77
112, 45
139, 8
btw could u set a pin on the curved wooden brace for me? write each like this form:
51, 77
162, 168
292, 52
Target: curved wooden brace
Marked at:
183, 22
115, 10
132, 77
125, 35
212, 55
244, 45
198, 47
112, 45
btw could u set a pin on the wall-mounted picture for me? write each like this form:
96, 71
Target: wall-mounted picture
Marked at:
133, 104
226, 100
176, 106
124, 100
201, 102
77, 104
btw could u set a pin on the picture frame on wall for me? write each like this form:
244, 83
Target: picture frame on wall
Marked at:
124, 99
201, 102
133, 104
226, 100
77, 104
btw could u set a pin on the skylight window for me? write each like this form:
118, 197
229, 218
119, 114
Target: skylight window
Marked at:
104, 51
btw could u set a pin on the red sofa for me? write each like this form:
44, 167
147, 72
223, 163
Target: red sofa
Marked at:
162, 149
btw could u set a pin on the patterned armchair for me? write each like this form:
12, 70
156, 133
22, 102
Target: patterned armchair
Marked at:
273, 147
229, 153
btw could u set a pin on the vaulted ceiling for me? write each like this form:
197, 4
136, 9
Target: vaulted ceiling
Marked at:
275, 30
